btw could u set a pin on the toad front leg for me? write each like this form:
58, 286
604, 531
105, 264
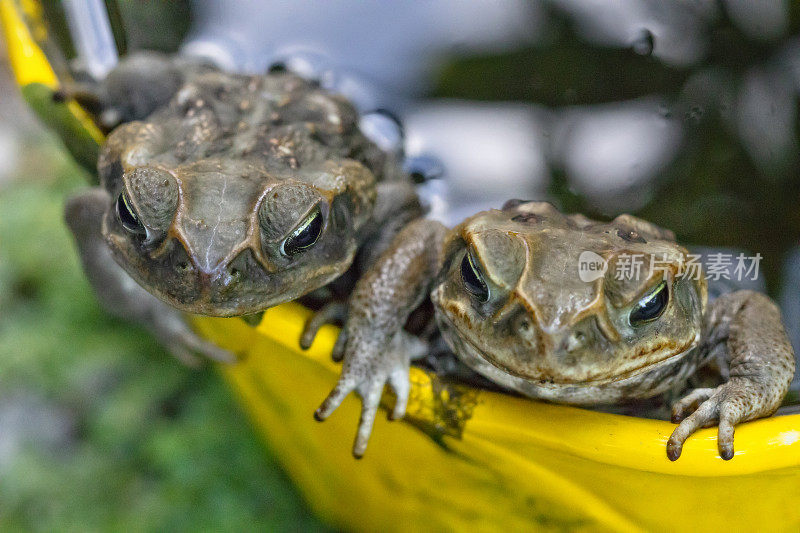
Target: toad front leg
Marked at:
748, 326
396, 206
119, 294
377, 351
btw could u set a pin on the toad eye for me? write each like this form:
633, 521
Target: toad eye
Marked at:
127, 216
304, 236
473, 279
650, 307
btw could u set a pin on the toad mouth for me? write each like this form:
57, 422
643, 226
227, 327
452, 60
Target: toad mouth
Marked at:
644, 369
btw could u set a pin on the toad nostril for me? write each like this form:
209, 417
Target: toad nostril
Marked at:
241, 268
180, 259
523, 326
575, 341
184, 267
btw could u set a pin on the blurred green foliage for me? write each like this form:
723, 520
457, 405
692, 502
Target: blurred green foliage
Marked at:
145, 444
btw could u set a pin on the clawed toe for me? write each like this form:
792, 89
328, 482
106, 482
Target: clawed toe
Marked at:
369, 410
400, 385
704, 414
370, 392
725, 438
716, 409
689, 404
333, 401
330, 313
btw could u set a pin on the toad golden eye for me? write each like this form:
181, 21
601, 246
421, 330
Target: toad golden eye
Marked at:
127, 216
473, 279
304, 236
650, 306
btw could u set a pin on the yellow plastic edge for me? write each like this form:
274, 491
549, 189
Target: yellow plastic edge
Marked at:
582, 469
29, 63
762, 445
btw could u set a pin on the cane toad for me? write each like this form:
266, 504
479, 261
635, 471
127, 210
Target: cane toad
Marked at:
511, 303
236, 193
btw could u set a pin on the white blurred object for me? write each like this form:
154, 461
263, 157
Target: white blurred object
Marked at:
9, 150
676, 32
491, 152
382, 129
395, 44
766, 113
91, 33
612, 153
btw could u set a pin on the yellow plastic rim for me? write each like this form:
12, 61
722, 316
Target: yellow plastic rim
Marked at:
513, 463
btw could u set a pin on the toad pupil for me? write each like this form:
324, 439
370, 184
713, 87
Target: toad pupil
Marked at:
651, 306
305, 236
473, 281
127, 216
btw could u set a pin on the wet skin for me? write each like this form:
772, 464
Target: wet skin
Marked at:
510, 303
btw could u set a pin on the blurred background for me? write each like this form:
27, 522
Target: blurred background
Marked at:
681, 112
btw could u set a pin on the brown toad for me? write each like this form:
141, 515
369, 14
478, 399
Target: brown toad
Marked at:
511, 303
235, 194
